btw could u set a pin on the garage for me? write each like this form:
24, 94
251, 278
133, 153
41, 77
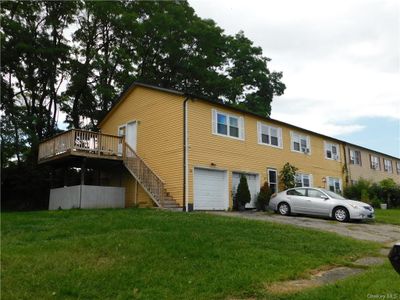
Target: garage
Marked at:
252, 181
210, 189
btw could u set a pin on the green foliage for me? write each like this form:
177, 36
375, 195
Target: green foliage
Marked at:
287, 176
243, 194
386, 191
263, 197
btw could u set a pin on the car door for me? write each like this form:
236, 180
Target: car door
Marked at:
298, 199
319, 203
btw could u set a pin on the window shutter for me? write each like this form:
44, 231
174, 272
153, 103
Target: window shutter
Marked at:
214, 120
311, 180
280, 141
241, 128
291, 140
259, 132
309, 144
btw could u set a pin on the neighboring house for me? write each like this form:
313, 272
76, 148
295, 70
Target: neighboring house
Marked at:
371, 165
181, 150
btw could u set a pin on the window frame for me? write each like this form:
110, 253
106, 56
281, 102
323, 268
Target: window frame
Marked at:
398, 167
329, 146
302, 176
384, 165
374, 162
260, 126
228, 116
350, 157
336, 179
295, 135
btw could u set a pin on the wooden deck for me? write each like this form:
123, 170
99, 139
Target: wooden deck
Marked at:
82, 143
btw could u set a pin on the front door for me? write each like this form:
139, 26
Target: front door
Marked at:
129, 131
131, 135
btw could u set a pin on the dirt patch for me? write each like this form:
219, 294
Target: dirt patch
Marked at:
317, 279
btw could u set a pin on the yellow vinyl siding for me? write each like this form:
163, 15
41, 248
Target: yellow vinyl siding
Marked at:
159, 133
214, 151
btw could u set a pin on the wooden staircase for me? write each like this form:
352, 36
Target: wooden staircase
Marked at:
148, 179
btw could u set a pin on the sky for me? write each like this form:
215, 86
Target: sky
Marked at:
340, 62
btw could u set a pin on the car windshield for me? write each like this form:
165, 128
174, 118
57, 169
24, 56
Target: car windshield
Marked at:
333, 195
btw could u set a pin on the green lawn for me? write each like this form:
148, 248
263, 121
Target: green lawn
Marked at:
388, 216
380, 281
153, 254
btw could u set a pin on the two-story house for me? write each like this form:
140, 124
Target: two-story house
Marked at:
181, 150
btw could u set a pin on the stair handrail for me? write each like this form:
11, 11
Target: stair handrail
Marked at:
157, 192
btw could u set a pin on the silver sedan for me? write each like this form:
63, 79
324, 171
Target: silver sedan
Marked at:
319, 202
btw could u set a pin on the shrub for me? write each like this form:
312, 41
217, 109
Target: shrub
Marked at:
243, 194
263, 197
386, 191
355, 191
287, 176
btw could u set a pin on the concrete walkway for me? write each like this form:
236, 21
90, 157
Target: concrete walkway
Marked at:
381, 233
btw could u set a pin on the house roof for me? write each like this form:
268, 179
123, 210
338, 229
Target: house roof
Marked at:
228, 106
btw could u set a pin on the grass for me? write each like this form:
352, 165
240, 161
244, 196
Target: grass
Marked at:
152, 254
380, 282
388, 216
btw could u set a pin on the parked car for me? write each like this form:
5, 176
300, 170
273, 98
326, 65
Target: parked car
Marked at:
319, 202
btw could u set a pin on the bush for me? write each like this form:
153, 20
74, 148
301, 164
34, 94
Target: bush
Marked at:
287, 176
263, 197
243, 194
386, 191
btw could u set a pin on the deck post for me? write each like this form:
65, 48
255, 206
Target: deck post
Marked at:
83, 171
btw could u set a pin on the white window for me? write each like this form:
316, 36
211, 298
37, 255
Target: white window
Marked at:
227, 125
273, 180
269, 135
387, 165
331, 151
355, 157
334, 184
398, 167
375, 162
303, 180
300, 143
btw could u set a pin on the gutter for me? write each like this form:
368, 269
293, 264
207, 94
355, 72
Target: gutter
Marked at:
185, 155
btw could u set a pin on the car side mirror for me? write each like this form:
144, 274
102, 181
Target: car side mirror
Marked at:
324, 197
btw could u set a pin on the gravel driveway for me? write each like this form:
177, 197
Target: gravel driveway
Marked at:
383, 233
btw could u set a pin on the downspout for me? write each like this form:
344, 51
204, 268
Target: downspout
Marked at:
185, 155
346, 168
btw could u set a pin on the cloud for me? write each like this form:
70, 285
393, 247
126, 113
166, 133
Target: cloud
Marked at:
340, 59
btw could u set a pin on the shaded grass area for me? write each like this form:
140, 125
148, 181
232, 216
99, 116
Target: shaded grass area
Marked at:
154, 254
380, 282
388, 216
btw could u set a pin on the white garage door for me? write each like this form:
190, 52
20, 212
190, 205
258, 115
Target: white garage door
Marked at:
254, 186
210, 190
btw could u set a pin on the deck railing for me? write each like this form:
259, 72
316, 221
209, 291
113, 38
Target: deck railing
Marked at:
149, 180
93, 143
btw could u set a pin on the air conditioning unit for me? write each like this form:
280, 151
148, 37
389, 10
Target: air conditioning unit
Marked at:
335, 157
305, 150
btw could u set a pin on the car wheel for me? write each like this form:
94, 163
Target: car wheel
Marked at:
284, 209
341, 214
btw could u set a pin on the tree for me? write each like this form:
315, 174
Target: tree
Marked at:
34, 55
242, 194
287, 176
263, 197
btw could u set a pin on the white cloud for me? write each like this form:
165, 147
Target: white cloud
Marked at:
340, 59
